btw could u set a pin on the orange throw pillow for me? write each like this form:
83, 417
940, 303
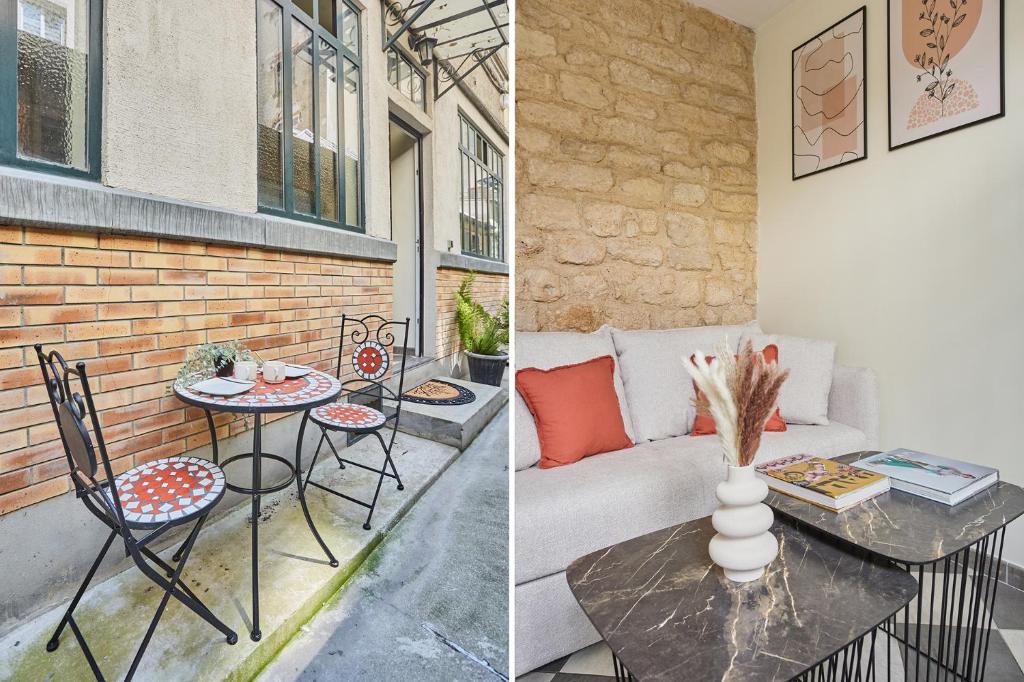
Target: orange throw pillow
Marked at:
576, 410
704, 424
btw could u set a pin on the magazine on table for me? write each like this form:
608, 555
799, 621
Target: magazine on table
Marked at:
949, 481
822, 482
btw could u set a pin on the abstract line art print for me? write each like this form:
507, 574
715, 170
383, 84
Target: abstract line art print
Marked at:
945, 66
829, 100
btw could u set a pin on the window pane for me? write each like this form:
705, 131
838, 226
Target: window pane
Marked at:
302, 117
305, 5
353, 137
404, 78
326, 16
349, 29
328, 108
53, 57
393, 61
417, 88
270, 111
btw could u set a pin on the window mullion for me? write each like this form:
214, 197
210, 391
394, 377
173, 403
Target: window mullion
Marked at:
94, 85
314, 49
8, 80
286, 125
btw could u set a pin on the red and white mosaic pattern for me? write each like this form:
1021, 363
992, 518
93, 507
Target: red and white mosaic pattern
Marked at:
348, 416
370, 360
169, 489
291, 393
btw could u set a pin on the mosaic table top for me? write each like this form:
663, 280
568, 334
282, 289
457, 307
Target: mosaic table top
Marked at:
291, 395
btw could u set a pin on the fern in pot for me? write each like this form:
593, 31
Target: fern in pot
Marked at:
484, 336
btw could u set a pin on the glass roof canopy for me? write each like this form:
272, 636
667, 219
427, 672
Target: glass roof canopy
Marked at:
468, 33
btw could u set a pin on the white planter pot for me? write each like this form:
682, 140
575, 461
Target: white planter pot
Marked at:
743, 545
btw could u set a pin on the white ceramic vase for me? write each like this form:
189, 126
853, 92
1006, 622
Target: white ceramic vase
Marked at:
743, 545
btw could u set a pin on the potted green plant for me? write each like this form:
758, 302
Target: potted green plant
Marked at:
213, 358
484, 336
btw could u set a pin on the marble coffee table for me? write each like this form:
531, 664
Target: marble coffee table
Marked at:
668, 613
954, 552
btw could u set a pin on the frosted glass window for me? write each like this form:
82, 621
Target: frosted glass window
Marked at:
302, 116
270, 105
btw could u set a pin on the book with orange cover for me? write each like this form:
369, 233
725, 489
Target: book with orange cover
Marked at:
822, 482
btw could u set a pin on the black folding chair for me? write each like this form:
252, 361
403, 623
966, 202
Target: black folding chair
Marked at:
151, 498
370, 362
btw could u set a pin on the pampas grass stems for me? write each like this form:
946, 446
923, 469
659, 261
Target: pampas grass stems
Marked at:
740, 392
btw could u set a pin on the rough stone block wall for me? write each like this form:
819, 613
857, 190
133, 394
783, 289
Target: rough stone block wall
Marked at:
131, 308
635, 166
488, 290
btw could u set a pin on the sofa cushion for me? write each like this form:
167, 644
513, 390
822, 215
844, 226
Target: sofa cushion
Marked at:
575, 410
659, 392
545, 350
804, 396
564, 513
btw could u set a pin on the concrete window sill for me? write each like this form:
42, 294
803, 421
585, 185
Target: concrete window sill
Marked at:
41, 200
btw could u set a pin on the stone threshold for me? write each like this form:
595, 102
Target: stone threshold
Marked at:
295, 580
455, 425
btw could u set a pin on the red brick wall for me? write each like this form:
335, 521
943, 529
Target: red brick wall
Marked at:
132, 308
488, 290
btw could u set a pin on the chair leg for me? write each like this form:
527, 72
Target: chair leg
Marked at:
55, 639
387, 455
168, 593
177, 555
302, 489
327, 437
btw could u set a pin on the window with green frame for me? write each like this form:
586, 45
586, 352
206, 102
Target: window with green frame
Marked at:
50, 80
482, 213
309, 122
408, 78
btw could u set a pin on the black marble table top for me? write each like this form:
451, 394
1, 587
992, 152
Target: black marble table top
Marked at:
669, 613
908, 528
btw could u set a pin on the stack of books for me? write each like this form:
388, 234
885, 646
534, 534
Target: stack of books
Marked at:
834, 486
822, 482
949, 481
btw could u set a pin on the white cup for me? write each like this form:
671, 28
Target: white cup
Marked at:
245, 371
273, 372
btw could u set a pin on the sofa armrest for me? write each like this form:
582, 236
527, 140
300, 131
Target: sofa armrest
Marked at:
854, 400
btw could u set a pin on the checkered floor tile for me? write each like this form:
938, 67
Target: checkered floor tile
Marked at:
1005, 656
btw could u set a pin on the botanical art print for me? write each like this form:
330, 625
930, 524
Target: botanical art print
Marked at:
945, 66
829, 84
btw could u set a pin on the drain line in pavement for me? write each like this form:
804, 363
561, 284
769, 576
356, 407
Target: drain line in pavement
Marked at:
459, 650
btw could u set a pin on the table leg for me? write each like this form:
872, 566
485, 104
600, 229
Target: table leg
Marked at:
257, 483
302, 491
213, 436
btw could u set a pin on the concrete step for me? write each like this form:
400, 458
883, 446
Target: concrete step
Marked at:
295, 580
455, 425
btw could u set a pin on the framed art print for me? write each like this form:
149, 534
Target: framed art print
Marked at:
829, 101
946, 69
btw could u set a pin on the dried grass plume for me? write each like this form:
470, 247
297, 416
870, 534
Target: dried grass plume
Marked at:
740, 392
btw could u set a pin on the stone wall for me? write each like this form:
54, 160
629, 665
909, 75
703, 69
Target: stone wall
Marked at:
635, 166
131, 308
488, 290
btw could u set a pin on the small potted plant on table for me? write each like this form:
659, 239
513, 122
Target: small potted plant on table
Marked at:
484, 336
216, 358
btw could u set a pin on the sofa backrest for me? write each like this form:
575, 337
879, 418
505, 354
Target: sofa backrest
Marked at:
655, 392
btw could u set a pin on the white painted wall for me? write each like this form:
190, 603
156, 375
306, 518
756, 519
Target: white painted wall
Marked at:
910, 260
179, 100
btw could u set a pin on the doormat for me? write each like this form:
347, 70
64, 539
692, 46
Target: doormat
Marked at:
438, 392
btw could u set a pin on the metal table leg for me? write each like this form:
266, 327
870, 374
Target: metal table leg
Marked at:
257, 483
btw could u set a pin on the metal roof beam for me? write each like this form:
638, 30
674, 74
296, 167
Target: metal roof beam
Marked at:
469, 12
408, 22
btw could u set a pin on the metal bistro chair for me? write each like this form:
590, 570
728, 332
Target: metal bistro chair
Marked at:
152, 498
370, 361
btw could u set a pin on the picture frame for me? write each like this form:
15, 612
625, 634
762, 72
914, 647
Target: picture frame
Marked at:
829, 97
914, 114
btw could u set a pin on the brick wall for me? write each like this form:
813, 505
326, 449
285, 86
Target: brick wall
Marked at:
132, 308
635, 166
488, 290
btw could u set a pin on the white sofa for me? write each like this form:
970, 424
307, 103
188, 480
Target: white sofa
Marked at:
566, 512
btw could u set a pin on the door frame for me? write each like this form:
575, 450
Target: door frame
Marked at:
419, 232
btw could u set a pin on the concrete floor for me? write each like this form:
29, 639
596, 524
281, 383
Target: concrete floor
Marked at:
431, 603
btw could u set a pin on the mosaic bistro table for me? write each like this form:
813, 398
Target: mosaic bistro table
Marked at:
292, 395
